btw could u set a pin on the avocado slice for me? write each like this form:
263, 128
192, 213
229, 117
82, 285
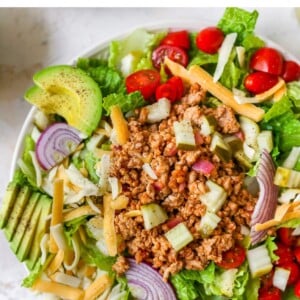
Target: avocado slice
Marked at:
17, 211
28, 236
8, 203
42, 228
22, 226
70, 93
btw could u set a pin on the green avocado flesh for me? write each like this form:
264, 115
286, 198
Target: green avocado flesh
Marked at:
70, 93
23, 217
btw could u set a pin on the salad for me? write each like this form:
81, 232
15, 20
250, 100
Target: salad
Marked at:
169, 169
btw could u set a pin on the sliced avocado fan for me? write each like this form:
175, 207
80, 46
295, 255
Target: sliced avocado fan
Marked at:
68, 92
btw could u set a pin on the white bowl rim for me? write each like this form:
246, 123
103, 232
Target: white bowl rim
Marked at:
103, 44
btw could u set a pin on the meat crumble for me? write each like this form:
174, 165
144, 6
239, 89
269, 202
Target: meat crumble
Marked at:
178, 188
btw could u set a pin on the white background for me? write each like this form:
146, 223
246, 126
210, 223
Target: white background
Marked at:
31, 38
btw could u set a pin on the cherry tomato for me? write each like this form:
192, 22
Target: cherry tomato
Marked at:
297, 254
267, 60
233, 258
272, 293
295, 271
297, 289
285, 236
166, 90
259, 82
177, 38
210, 39
177, 83
174, 53
285, 254
145, 81
291, 71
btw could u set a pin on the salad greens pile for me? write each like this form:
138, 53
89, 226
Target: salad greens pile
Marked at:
134, 53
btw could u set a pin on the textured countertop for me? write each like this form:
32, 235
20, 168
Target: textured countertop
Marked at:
33, 38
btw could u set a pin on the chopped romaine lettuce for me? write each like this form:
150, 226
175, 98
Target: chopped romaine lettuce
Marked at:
34, 274
71, 227
139, 44
90, 163
293, 92
127, 102
93, 256
271, 246
238, 20
108, 79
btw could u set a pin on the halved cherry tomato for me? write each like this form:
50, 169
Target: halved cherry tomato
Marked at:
295, 272
177, 83
145, 81
284, 253
177, 38
291, 71
297, 254
174, 53
272, 293
267, 60
166, 90
297, 289
210, 39
259, 82
233, 258
285, 236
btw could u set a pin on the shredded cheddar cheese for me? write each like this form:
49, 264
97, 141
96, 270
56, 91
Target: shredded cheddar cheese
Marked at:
97, 287
81, 211
119, 124
56, 262
110, 236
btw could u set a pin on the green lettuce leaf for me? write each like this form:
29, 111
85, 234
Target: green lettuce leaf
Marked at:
293, 92
252, 41
71, 227
289, 294
90, 162
238, 20
29, 280
278, 109
93, 256
251, 290
271, 246
185, 289
232, 75
241, 281
140, 44
127, 102
108, 79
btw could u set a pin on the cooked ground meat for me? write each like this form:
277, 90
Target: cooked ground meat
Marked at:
178, 188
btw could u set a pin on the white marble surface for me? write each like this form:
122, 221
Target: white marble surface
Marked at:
33, 38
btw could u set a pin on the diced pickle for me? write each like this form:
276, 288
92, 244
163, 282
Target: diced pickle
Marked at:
184, 135
220, 147
234, 143
179, 236
208, 125
153, 215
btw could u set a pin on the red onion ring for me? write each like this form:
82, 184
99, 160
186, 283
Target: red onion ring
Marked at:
265, 207
146, 283
56, 142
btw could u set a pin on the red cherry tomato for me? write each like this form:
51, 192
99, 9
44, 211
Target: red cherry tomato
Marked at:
297, 289
272, 293
297, 254
285, 236
259, 82
284, 253
145, 81
291, 71
295, 272
174, 53
177, 83
166, 90
210, 39
177, 38
267, 60
233, 258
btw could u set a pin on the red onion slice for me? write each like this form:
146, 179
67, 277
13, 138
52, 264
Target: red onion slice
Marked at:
265, 207
56, 142
147, 284
203, 166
